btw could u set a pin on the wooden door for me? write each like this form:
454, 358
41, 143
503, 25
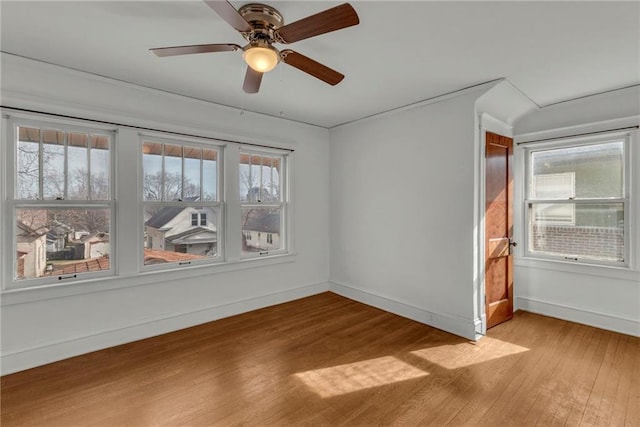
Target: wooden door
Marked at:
498, 229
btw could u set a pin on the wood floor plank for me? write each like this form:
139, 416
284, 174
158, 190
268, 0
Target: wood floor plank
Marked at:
558, 397
632, 413
329, 361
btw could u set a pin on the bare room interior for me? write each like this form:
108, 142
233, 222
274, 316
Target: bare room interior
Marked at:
320, 213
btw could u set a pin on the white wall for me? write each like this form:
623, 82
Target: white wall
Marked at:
604, 297
75, 319
402, 212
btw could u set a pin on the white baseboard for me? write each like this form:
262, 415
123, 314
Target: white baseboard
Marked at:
52, 352
579, 315
465, 328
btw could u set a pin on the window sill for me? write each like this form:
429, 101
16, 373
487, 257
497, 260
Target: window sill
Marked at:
51, 291
611, 272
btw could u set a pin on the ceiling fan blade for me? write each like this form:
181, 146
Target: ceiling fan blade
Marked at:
333, 19
252, 81
312, 67
229, 14
196, 48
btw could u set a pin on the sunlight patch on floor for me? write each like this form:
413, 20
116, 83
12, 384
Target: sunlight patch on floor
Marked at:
343, 379
467, 354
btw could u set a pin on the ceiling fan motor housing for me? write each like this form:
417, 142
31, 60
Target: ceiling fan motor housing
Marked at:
264, 20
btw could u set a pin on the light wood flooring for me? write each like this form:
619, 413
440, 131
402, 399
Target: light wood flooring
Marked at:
327, 360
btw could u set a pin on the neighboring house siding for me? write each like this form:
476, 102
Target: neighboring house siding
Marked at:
34, 261
173, 230
261, 240
96, 249
155, 239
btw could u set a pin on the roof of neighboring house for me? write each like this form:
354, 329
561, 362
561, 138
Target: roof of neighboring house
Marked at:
163, 216
166, 214
194, 236
269, 223
97, 264
98, 236
152, 256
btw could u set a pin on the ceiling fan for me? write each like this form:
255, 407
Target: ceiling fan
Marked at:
262, 26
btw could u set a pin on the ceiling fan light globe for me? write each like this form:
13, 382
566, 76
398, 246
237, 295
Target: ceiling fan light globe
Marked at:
261, 59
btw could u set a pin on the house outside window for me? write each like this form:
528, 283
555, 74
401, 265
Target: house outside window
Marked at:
577, 206
182, 209
555, 186
264, 201
61, 198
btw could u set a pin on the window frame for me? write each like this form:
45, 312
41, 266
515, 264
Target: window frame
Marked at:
218, 205
625, 199
283, 204
9, 245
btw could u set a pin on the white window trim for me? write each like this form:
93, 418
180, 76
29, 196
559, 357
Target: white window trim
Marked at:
630, 200
9, 245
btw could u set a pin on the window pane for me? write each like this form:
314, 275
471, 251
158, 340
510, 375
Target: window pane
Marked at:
260, 178
597, 171
554, 186
78, 166
596, 233
555, 213
192, 160
172, 172
179, 234
100, 165
28, 163
270, 186
245, 177
53, 242
275, 179
152, 166
254, 194
261, 229
52, 164
210, 174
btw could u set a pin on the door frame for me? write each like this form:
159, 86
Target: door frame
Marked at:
487, 123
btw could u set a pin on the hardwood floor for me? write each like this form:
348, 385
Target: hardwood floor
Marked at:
327, 360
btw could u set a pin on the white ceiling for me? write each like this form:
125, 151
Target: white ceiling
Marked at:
401, 53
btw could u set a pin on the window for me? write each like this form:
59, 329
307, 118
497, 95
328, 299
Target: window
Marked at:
181, 206
61, 201
577, 206
199, 219
263, 199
